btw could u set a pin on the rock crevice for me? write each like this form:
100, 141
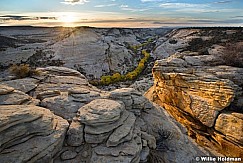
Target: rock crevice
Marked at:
199, 97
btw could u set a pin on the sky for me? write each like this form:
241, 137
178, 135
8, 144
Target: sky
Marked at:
121, 13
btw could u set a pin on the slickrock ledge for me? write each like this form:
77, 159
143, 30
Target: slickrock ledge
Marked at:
200, 97
76, 122
100, 127
110, 127
30, 134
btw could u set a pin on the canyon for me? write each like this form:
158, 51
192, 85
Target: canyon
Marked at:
186, 103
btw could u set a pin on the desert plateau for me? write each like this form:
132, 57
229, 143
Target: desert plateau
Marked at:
72, 108
119, 81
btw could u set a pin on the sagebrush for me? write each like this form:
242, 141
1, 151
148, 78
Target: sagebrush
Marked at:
233, 55
23, 70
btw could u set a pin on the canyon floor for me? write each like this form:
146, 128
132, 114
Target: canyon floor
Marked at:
186, 103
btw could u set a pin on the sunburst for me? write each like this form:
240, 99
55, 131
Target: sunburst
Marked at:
68, 19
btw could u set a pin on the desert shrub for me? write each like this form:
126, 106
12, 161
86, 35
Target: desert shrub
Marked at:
23, 70
117, 77
105, 80
161, 140
134, 48
233, 55
156, 155
138, 70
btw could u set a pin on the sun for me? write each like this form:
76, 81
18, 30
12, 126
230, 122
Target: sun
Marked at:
68, 19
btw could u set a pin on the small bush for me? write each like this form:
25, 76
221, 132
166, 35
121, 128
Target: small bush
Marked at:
116, 77
105, 80
233, 55
156, 155
23, 70
161, 141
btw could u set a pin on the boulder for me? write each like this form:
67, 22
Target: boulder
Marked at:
64, 92
36, 130
107, 127
100, 111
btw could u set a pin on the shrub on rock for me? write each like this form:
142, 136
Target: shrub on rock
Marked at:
23, 70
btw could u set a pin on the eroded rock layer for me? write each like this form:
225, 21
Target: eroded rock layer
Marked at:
203, 98
102, 125
30, 133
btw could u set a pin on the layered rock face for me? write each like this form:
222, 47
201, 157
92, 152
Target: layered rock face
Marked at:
30, 134
102, 125
108, 127
206, 99
59, 117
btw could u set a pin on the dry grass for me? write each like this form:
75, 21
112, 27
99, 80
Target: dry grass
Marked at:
233, 55
23, 70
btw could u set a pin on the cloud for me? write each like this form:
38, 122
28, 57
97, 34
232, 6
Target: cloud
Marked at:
182, 5
237, 16
190, 22
21, 18
124, 6
14, 17
223, 2
127, 8
109, 5
74, 2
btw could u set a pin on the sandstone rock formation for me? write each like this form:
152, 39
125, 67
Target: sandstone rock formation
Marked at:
10, 96
76, 122
203, 97
101, 125
59, 117
108, 125
30, 134
25, 85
